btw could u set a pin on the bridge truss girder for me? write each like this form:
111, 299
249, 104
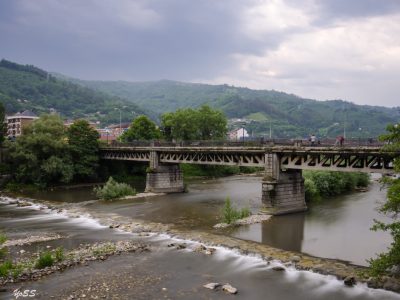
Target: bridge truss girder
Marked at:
311, 159
344, 162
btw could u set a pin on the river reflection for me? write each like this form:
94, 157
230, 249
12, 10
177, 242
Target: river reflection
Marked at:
335, 228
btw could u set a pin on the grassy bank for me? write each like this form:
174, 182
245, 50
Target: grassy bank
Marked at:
326, 184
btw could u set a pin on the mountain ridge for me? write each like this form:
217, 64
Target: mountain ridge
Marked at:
291, 115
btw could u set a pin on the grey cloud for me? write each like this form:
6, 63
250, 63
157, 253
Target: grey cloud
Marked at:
193, 39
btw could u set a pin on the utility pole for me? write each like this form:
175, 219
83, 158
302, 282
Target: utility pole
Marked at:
120, 122
270, 129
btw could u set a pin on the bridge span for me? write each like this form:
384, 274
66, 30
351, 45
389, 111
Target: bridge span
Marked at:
282, 184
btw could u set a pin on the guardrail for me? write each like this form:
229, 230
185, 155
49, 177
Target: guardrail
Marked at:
259, 142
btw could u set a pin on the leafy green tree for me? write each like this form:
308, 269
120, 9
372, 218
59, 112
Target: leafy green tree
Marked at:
212, 123
142, 128
189, 124
84, 149
41, 156
391, 258
2, 124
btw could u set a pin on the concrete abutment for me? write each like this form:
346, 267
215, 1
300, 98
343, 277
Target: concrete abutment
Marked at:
282, 191
167, 178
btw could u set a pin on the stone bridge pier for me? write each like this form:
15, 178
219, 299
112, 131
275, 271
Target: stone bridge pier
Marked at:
163, 178
282, 190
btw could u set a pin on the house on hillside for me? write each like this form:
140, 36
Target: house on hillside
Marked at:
17, 122
118, 129
238, 134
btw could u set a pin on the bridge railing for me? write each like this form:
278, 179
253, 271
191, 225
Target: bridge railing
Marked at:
250, 142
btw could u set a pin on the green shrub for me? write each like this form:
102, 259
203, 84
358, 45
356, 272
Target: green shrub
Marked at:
45, 260
363, 179
3, 250
230, 214
244, 213
114, 190
5, 268
326, 184
310, 190
59, 254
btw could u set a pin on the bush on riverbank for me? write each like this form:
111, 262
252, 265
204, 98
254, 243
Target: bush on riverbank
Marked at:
45, 260
114, 190
231, 214
325, 184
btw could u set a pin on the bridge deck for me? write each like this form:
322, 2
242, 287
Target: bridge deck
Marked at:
349, 158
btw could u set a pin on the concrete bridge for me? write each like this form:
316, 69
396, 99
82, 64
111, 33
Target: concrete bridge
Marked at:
282, 161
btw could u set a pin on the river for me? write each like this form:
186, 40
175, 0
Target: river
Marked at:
335, 228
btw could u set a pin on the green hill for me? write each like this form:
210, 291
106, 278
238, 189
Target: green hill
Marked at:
287, 114
28, 87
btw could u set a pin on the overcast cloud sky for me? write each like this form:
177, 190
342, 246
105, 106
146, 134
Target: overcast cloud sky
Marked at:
326, 49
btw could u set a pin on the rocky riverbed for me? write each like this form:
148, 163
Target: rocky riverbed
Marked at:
81, 256
349, 273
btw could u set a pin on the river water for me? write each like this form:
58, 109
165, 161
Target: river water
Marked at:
335, 228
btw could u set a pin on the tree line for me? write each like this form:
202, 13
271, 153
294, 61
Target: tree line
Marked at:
203, 123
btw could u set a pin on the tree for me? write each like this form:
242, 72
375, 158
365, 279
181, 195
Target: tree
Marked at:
189, 124
391, 258
41, 156
2, 124
84, 149
142, 128
212, 123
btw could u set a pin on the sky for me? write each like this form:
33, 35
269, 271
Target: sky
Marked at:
319, 49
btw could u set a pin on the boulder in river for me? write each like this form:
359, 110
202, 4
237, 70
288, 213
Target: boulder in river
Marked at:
229, 289
295, 258
212, 285
349, 281
181, 246
278, 268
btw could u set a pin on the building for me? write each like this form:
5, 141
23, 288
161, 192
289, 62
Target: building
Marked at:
106, 135
17, 122
118, 129
238, 134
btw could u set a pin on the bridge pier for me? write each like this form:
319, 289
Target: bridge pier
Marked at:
282, 191
163, 178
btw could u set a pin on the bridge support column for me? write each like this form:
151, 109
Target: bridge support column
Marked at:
282, 191
163, 178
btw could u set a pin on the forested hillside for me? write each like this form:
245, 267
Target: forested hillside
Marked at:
287, 114
28, 87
